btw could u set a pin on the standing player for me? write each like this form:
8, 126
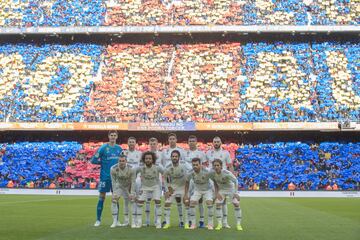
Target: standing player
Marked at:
153, 144
133, 159
219, 153
190, 154
150, 184
226, 185
202, 189
175, 176
106, 156
166, 161
166, 154
193, 152
121, 178
133, 155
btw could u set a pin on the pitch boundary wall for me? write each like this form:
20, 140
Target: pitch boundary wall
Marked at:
291, 194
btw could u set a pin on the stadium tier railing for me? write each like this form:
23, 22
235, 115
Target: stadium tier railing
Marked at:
182, 29
178, 126
291, 194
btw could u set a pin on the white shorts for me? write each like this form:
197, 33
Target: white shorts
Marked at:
206, 195
178, 192
119, 191
226, 194
150, 194
155, 193
192, 187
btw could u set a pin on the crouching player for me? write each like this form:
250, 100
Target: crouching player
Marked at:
226, 185
175, 178
202, 189
150, 186
122, 175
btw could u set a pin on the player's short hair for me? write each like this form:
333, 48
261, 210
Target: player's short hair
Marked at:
216, 160
122, 155
175, 151
153, 155
172, 135
153, 139
217, 137
112, 131
196, 160
132, 138
192, 137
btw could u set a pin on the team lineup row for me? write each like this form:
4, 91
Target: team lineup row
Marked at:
186, 177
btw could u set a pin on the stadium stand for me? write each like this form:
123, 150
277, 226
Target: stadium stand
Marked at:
338, 81
306, 166
259, 12
177, 12
255, 81
36, 164
279, 83
269, 166
46, 83
54, 13
262, 12
331, 12
215, 82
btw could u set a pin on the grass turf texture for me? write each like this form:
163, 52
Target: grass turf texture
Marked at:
72, 217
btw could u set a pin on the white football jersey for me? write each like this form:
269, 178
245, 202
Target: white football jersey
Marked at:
166, 155
158, 158
133, 157
189, 155
221, 154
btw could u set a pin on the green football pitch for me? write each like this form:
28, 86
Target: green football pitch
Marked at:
72, 217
